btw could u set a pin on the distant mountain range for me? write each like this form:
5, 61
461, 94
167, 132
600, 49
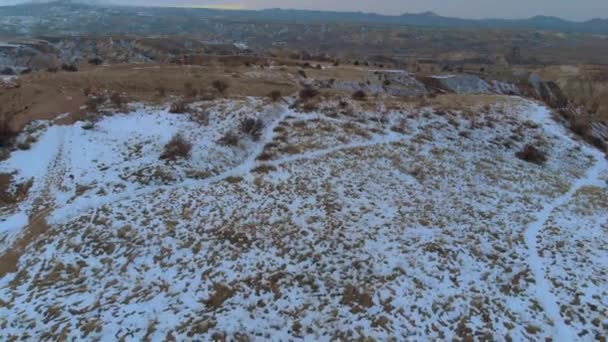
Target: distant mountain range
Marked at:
426, 19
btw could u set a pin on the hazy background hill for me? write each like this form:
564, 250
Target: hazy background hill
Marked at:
177, 16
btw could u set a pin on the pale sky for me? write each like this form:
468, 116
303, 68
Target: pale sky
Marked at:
568, 9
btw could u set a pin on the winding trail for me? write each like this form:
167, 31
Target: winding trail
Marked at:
71, 211
542, 285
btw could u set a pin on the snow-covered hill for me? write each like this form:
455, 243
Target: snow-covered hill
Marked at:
380, 221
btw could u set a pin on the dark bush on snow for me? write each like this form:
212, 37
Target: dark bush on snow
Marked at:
308, 93
532, 155
179, 107
359, 95
229, 139
252, 127
178, 147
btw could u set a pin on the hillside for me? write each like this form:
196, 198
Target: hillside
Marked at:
67, 16
349, 219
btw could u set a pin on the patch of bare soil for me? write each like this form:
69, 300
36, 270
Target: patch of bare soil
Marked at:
45, 95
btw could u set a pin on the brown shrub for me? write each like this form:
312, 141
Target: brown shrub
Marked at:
179, 107
178, 147
220, 86
93, 103
359, 95
229, 139
532, 155
69, 67
579, 126
117, 100
275, 95
189, 91
161, 91
6, 133
252, 127
308, 93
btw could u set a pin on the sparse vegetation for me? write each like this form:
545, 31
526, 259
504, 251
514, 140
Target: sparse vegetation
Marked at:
177, 148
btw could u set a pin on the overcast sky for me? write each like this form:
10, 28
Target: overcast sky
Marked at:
569, 9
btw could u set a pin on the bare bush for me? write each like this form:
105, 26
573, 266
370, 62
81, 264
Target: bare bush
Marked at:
86, 91
229, 139
69, 67
532, 155
96, 61
252, 127
161, 91
220, 86
200, 116
275, 95
177, 148
308, 93
189, 91
6, 132
359, 95
179, 107
117, 100
7, 71
93, 103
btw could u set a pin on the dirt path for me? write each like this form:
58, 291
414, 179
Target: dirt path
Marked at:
37, 224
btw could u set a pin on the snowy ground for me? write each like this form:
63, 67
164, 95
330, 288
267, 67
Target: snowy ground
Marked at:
401, 223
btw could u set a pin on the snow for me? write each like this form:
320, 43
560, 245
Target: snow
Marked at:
543, 287
13, 222
400, 227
